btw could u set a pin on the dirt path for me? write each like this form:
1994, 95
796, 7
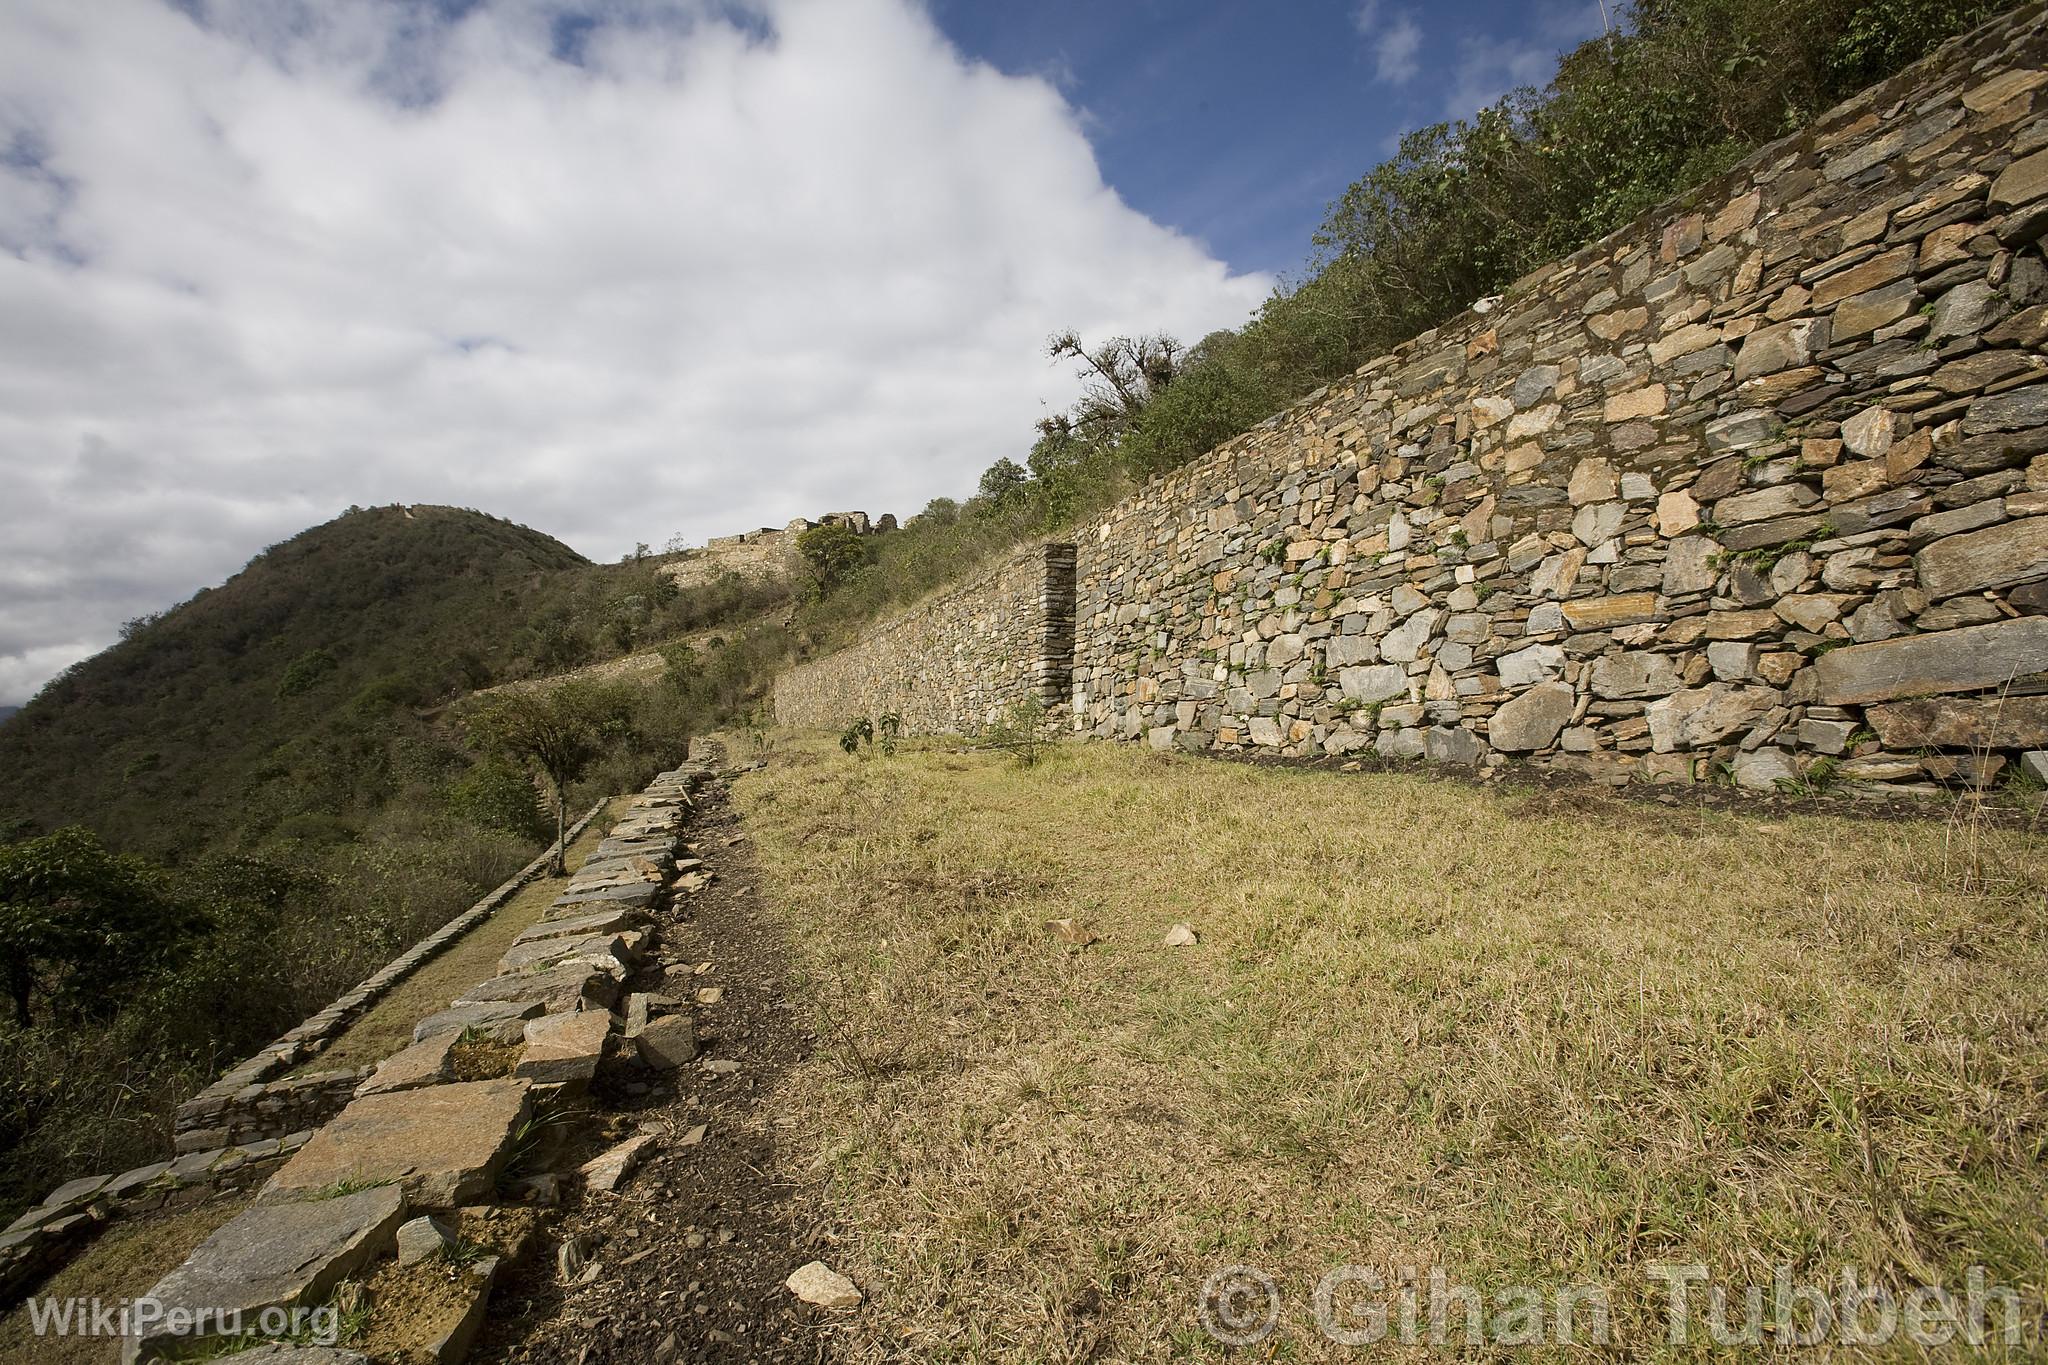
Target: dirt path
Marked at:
692, 1252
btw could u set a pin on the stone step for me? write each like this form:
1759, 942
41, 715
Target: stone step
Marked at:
572, 985
443, 1145
608, 921
609, 952
565, 1049
489, 1016
270, 1256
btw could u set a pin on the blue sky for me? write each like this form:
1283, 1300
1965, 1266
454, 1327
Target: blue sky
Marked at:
1238, 123
752, 259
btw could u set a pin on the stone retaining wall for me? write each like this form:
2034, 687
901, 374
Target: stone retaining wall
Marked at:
958, 661
1753, 489
245, 1105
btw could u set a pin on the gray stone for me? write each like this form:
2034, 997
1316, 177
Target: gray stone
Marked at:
1529, 665
1741, 430
423, 1237
1401, 743
1764, 769
605, 951
278, 1353
1766, 504
1452, 744
501, 1020
1346, 651
1691, 565
1826, 736
1377, 683
1636, 673
612, 921
1770, 349
444, 1144
276, 1255
1699, 716
573, 985
2034, 764
1996, 557
1964, 310
1964, 660
1597, 523
608, 1169
1532, 720
2009, 411
1404, 643
668, 1042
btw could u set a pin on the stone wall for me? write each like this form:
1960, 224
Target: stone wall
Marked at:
957, 661
1755, 483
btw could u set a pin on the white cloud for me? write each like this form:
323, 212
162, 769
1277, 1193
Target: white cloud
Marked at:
1396, 42
1489, 67
731, 268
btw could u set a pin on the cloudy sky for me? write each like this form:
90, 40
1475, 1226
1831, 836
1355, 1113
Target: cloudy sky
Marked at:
628, 270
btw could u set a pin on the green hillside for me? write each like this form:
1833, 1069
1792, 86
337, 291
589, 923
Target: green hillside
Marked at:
294, 698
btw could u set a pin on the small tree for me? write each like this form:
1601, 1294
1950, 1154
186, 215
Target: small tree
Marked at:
556, 733
831, 552
69, 908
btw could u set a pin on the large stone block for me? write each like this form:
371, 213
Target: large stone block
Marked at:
1996, 557
1966, 660
1532, 720
1698, 716
1962, 723
271, 1256
565, 1049
443, 1145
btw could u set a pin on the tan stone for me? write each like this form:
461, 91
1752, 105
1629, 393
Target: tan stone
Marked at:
444, 1144
1677, 513
1600, 613
1648, 401
1879, 270
2015, 722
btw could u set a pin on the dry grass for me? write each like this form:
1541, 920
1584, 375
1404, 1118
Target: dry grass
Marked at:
123, 1262
1427, 1024
386, 1026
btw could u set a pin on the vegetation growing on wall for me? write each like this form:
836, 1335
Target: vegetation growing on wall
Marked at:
1678, 93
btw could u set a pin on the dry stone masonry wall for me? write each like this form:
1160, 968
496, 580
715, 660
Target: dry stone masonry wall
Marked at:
957, 662
1755, 488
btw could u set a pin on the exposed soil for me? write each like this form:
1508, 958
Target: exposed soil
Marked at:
686, 1262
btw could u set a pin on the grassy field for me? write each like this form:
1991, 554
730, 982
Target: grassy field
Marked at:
1517, 1038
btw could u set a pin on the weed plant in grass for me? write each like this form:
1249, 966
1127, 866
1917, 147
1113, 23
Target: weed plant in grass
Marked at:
1526, 1041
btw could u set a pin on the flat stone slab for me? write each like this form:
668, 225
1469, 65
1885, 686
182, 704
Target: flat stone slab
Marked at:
443, 1145
503, 1020
607, 951
571, 986
279, 1354
424, 1063
565, 1049
271, 1256
640, 894
610, 921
